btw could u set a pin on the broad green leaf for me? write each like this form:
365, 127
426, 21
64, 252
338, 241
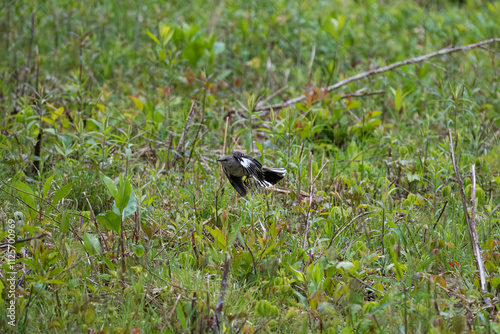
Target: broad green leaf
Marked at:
108, 263
64, 222
91, 243
61, 193
131, 207
46, 186
109, 184
26, 195
298, 275
153, 37
163, 55
316, 274
259, 146
110, 220
345, 265
166, 35
123, 195
495, 282
138, 103
353, 104
138, 250
220, 241
398, 100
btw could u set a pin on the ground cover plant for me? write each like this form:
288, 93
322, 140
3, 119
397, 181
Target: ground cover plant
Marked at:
117, 218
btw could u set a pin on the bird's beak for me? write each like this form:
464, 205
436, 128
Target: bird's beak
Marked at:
219, 159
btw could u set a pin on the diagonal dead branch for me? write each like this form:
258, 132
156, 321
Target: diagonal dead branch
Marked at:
187, 126
347, 225
477, 250
308, 221
381, 70
470, 220
222, 293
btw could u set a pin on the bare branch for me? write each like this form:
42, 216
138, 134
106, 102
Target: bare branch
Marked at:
222, 293
381, 70
347, 225
180, 150
308, 221
470, 220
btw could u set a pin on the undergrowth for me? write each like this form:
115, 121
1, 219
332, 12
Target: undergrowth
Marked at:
113, 116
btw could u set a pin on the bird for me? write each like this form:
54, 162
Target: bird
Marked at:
241, 165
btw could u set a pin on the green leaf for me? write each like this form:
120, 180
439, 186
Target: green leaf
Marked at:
345, 265
138, 250
64, 222
193, 51
60, 194
166, 34
109, 184
353, 104
220, 241
298, 275
153, 37
259, 146
46, 186
265, 309
91, 244
110, 220
131, 207
495, 282
1, 290
108, 263
138, 103
26, 195
398, 100
123, 195
316, 274
55, 281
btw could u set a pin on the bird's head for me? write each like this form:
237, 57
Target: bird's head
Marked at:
224, 159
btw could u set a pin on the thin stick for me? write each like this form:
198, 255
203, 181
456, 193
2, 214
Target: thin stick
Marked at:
27, 68
267, 99
173, 309
383, 230
308, 223
470, 220
311, 62
437, 221
347, 225
189, 120
267, 111
477, 250
222, 293
225, 137
382, 70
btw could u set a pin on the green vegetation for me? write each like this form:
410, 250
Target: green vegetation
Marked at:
113, 114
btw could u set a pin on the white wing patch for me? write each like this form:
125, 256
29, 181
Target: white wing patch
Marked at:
263, 183
245, 162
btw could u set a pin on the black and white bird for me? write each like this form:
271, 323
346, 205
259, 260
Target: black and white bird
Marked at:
240, 165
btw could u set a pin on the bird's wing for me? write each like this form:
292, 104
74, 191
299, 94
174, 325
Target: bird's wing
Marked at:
253, 167
236, 182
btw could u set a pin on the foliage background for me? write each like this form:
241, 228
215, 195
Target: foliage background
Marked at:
136, 222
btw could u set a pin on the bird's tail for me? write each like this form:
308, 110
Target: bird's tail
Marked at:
273, 175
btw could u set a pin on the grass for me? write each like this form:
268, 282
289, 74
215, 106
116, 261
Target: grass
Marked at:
131, 225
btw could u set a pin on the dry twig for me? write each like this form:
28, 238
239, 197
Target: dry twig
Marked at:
381, 70
222, 293
347, 225
180, 150
308, 221
470, 220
